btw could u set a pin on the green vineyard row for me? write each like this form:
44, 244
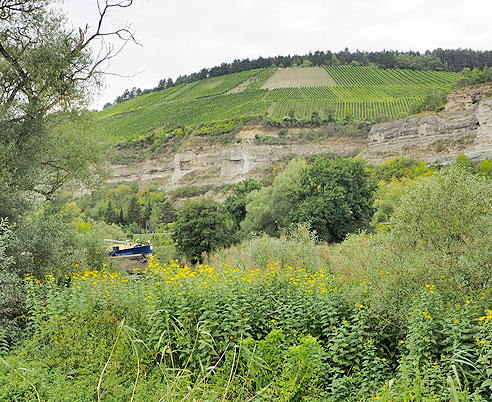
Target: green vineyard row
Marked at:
342, 109
371, 76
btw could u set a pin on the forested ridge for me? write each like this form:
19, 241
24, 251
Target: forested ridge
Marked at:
452, 60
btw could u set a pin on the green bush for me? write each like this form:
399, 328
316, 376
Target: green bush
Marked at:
334, 196
201, 228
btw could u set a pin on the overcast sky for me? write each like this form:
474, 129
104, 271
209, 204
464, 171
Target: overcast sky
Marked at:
182, 37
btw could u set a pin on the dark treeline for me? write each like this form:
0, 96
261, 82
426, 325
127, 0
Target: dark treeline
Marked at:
454, 60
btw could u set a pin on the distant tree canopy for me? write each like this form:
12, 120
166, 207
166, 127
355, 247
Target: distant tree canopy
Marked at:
133, 209
454, 60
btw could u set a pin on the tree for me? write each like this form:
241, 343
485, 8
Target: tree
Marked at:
110, 213
47, 73
133, 213
201, 228
306, 63
44, 67
236, 202
146, 212
267, 209
334, 196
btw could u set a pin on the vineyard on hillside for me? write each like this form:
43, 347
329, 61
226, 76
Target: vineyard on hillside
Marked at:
299, 77
333, 92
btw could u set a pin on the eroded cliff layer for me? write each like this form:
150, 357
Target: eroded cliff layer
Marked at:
465, 126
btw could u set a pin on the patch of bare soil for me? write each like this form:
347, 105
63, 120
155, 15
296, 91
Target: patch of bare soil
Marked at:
241, 87
297, 77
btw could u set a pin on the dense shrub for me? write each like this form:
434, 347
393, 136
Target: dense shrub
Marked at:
201, 228
440, 231
334, 196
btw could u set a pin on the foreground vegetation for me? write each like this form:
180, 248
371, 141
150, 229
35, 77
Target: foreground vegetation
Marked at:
398, 315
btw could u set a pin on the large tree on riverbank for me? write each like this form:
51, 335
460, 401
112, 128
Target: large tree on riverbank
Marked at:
47, 73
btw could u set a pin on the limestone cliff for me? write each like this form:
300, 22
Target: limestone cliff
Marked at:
465, 126
201, 164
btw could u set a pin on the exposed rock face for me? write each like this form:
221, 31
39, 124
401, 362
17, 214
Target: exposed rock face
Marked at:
462, 127
421, 130
215, 165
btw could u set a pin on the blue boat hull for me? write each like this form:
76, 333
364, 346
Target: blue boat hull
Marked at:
138, 250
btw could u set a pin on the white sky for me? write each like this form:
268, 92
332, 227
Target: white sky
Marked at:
182, 37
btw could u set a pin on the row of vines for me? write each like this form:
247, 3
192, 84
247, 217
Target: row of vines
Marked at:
341, 109
369, 76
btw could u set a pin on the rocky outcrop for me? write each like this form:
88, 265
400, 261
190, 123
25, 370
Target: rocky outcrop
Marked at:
201, 165
421, 130
464, 126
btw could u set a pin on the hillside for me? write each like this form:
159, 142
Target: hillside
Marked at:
219, 104
204, 163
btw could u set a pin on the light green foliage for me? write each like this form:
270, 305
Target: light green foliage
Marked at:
484, 168
394, 175
201, 228
236, 202
439, 232
401, 167
59, 237
10, 280
386, 198
464, 161
284, 367
334, 196
434, 101
475, 76
191, 114
371, 76
445, 212
297, 248
267, 208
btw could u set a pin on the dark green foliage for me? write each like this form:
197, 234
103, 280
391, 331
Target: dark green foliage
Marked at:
201, 228
335, 197
236, 202
127, 205
133, 213
475, 76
